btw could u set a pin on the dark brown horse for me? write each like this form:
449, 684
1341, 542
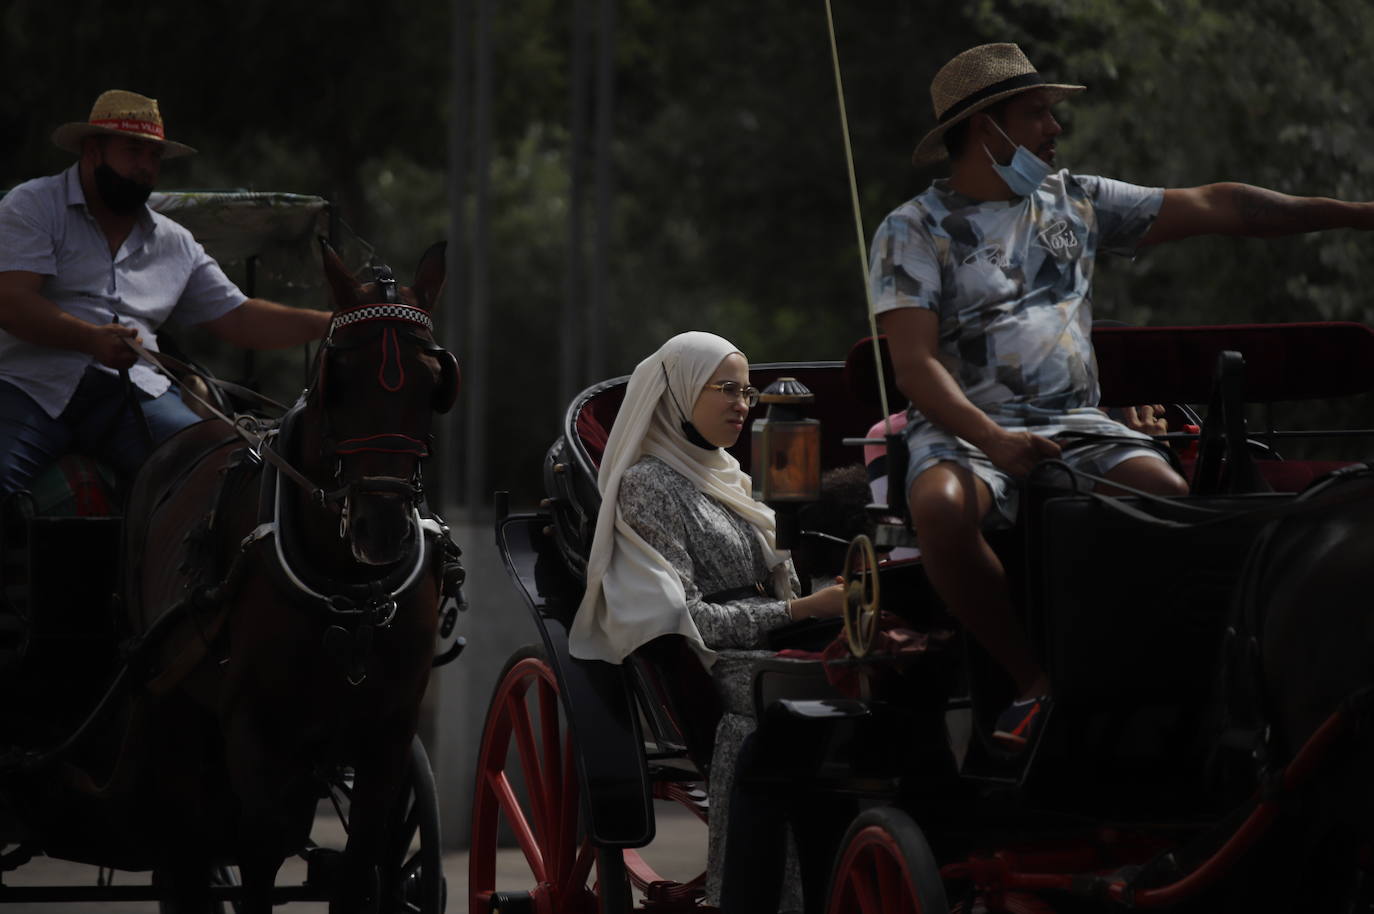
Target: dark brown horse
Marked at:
308, 587
1302, 676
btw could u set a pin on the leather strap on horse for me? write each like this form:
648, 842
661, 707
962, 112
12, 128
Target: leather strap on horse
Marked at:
1310, 500
255, 441
192, 654
180, 368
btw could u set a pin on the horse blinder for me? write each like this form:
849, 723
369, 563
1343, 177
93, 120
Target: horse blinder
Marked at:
450, 381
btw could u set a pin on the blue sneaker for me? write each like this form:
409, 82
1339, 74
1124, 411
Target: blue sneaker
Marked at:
1018, 724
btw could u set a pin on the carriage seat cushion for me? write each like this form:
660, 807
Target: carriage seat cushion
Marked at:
75, 486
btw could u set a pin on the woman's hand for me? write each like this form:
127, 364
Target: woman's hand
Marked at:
825, 603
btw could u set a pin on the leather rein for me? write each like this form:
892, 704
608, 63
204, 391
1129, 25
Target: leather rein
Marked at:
354, 612
391, 310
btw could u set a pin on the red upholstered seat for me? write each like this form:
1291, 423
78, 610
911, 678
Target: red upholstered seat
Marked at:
595, 418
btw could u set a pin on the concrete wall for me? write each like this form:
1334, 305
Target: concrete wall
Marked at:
496, 624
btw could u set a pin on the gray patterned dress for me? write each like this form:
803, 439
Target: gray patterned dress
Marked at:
713, 550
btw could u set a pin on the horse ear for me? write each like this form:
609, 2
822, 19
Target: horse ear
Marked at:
342, 286
430, 276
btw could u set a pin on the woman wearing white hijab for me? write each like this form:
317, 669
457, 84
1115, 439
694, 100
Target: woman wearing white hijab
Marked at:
681, 546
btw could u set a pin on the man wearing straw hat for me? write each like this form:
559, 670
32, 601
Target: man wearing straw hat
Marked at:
84, 266
982, 284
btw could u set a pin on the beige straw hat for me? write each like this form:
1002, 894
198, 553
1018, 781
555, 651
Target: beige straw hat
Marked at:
977, 78
120, 113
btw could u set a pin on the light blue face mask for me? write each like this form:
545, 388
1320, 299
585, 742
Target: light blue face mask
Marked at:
1027, 170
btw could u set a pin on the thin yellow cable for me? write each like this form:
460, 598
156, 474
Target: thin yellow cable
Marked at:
858, 220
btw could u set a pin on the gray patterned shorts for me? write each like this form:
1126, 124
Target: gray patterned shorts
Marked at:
1097, 458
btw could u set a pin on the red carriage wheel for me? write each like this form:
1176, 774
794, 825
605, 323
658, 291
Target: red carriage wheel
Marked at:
527, 784
886, 867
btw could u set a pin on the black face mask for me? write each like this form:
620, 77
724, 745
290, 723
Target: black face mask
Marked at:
121, 194
696, 437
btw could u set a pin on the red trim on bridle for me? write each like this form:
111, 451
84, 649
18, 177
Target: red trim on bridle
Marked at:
385, 443
391, 374
391, 354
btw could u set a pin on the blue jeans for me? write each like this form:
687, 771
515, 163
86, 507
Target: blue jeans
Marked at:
100, 421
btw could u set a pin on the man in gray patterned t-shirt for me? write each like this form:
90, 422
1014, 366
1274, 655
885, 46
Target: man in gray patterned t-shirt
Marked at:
982, 284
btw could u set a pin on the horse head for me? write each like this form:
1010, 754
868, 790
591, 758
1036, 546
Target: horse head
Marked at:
379, 379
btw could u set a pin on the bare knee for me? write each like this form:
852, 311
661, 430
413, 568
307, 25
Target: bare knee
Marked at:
947, 503
1148, 475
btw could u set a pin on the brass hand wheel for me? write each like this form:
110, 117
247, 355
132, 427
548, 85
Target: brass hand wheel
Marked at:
860, 596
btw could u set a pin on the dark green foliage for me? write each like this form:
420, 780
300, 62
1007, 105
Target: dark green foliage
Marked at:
732, 208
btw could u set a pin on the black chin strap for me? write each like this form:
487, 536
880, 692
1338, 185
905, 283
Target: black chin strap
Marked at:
695, 437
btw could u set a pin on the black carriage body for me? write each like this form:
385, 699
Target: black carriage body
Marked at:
1136, 664
61, 580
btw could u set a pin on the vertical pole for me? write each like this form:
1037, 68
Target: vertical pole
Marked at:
571, 376
451, 452
478, 324
605, 113
250, 356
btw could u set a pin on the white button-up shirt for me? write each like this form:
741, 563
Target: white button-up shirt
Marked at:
160, 274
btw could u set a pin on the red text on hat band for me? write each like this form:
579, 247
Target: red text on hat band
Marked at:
153, 128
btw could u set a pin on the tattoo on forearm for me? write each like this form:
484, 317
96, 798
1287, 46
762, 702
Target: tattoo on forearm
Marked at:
1265, 211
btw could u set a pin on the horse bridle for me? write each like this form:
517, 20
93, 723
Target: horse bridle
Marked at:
391, 377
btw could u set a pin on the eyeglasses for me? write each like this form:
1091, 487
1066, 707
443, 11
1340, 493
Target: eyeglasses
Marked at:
732, 390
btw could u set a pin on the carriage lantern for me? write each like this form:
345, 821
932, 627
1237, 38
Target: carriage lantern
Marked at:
786, 449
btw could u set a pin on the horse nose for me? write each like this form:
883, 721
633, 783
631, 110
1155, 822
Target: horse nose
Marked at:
380, 530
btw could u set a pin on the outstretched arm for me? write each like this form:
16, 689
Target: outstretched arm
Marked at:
1243, 209
262, 324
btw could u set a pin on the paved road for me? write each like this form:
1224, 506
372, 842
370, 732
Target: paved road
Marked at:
678, 852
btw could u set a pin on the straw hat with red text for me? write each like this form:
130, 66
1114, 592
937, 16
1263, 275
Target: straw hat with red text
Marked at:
120, 113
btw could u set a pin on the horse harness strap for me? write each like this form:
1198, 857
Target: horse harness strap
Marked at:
353, 613
254, 441
178, 367
1310, 500
382, 312
390, 443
